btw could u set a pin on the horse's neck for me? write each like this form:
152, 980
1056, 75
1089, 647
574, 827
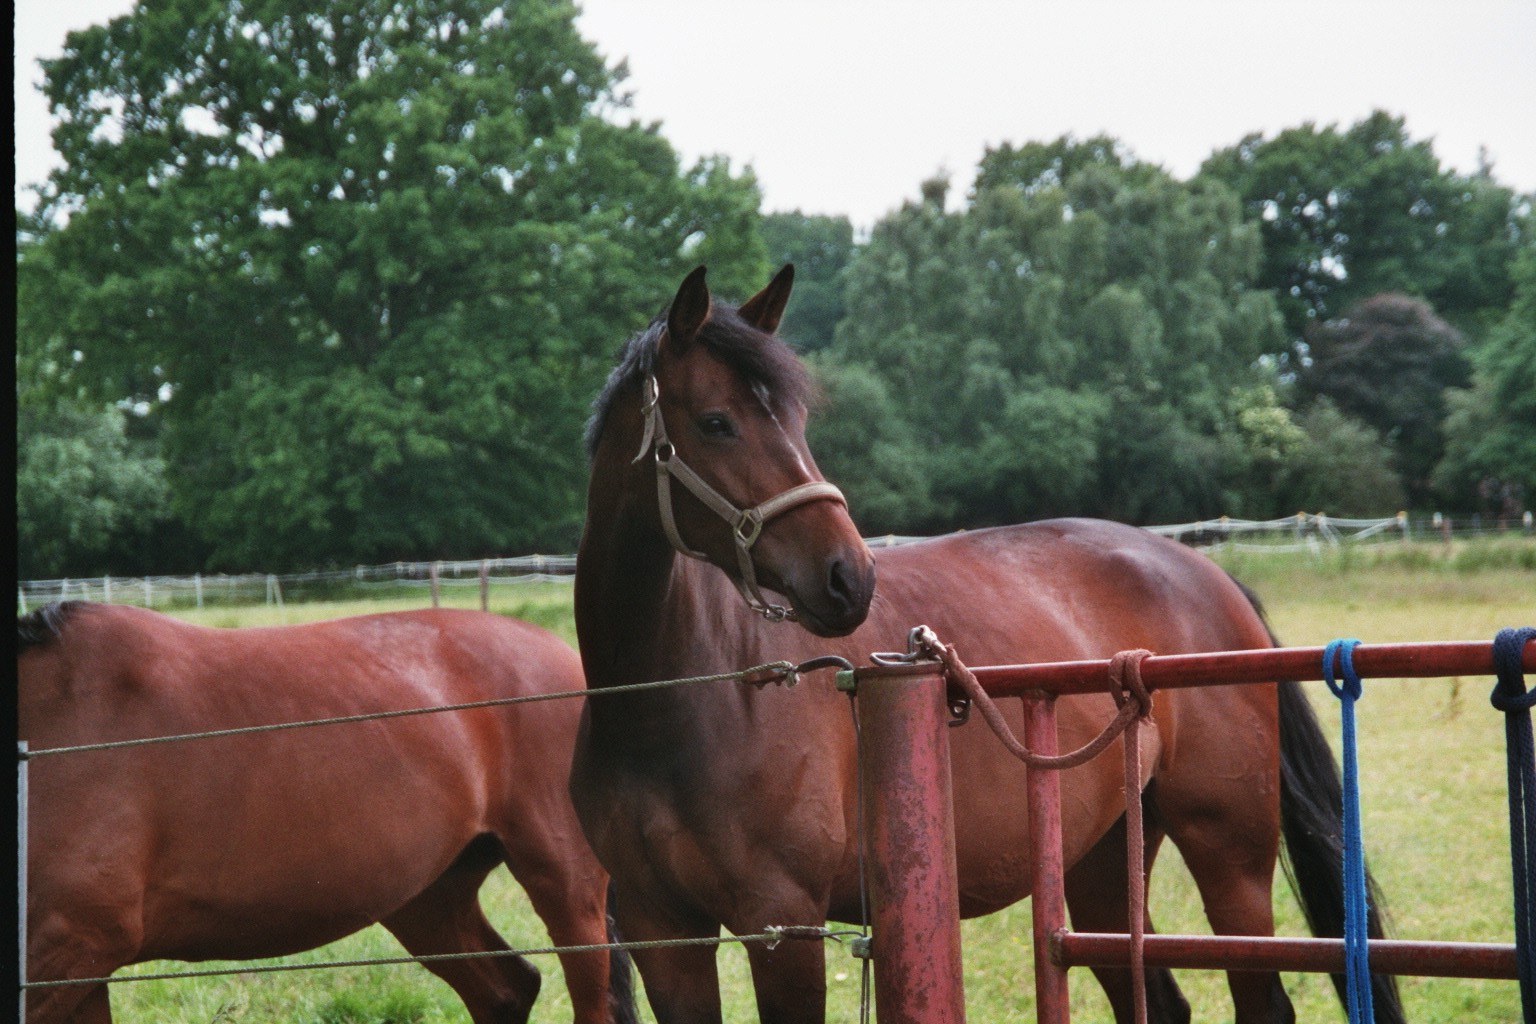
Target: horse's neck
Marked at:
644, 612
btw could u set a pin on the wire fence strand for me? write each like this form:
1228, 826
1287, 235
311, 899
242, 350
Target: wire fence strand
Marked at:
771, 936
785, 670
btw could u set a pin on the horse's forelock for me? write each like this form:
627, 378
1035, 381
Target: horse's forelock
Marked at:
763, 360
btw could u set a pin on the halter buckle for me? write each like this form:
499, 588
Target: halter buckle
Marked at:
748, 518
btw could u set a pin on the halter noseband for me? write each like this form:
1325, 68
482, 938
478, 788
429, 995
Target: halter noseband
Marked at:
746, 524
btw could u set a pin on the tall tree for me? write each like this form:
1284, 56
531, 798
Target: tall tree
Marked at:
1350, 213
1070, 341
820, 247
368, 259
83, 489
1388, 362
1491, 427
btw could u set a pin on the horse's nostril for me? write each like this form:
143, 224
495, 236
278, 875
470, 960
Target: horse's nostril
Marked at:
843, 585
837, 580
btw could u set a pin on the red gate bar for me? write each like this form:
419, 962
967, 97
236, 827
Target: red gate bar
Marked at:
1170, 671
1263, 953
913, 887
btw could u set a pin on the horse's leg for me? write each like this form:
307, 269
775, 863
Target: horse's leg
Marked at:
1225, 821
446, 918
60, 948
790, 981
682, 983
569, 893
69, 1005
1097, 896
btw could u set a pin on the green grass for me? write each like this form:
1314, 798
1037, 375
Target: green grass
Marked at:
1432, 756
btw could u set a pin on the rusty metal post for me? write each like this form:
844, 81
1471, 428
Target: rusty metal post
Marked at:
914, 892
1047, 888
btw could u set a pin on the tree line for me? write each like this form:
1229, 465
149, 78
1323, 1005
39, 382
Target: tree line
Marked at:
337, 286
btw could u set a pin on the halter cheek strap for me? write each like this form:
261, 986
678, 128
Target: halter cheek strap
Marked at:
746, 524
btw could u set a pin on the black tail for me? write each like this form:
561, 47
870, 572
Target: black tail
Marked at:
1311, 820
621, 975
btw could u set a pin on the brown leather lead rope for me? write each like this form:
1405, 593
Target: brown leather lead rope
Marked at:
1125, 679
965, 679
1135, 704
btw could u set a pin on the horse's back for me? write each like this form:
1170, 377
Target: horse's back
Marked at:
102, 662
178, 840
1063, 589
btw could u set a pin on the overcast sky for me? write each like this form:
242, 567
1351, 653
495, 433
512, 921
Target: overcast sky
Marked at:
845, 106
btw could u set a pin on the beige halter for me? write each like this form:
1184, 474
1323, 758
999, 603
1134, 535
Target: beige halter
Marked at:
746, 524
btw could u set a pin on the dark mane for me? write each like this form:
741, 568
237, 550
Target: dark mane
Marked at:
44, 625
761, 359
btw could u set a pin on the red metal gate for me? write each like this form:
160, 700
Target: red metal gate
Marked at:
913, 889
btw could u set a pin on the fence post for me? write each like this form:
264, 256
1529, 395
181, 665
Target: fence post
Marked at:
21, 599
149, 598
197, 582
1048, 897
21, 875
913, 887
436, 585
106, 589
485, 586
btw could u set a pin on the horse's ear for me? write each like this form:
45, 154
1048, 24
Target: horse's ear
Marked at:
766, 308
689, 311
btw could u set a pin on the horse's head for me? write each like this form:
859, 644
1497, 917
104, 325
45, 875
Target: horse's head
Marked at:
719, 445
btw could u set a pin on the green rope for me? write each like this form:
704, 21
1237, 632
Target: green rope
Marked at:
781, 669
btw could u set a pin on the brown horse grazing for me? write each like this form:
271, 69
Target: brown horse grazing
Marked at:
273, 843
734, 805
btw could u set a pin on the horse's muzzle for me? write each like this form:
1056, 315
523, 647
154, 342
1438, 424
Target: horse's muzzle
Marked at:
839, 602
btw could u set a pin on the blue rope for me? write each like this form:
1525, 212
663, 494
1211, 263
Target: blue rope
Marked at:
1356, 902
1511, 697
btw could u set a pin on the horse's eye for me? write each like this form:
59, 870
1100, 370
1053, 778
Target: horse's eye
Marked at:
716, 425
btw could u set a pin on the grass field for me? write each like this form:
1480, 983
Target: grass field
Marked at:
1432, 756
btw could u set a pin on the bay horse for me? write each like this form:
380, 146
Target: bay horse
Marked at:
734, 805
268, 844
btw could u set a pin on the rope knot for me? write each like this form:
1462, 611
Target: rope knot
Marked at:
1344, 651
1126, 684
1510, 694
780, 932
784, 673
